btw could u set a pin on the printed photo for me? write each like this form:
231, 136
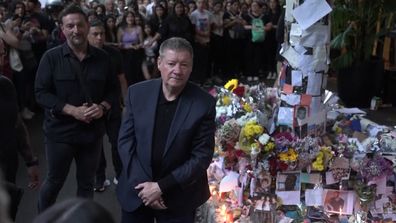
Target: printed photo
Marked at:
288, 187
339, 202
288, 181
301, 112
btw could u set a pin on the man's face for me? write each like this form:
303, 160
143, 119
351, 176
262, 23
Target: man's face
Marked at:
109, 5
175, 68
96, 36
75, 28
201, 4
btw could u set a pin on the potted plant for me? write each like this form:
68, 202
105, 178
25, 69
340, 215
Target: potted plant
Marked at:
357, 26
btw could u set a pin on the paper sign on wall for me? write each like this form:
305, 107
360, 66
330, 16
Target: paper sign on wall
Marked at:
297, 77
310, 12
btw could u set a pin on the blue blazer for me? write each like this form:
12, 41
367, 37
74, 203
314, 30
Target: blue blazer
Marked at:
188, 151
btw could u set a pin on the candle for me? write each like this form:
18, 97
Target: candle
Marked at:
223, 210
342, 219
230, 217
212, 188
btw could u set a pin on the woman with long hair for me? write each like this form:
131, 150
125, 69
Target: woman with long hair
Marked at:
111, 31
130, 38
158, 17
178, 24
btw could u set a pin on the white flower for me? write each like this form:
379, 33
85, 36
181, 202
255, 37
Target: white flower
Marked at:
263, 139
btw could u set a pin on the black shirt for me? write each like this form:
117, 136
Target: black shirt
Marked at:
177, 26
57, 84
163, 120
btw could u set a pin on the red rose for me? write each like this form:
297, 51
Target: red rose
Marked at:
240, 91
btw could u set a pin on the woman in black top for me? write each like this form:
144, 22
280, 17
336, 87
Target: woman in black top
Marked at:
111, 31
177, 24
158, 17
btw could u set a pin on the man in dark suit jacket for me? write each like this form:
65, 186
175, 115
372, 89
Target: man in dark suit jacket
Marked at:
166, 142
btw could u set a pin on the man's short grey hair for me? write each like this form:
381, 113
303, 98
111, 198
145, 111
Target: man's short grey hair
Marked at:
176, 44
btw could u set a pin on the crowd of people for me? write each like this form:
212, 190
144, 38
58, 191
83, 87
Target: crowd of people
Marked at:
230, 38
76, 61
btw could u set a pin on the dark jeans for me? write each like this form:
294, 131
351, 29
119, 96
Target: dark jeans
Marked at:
147, 215
113, 123
59, 158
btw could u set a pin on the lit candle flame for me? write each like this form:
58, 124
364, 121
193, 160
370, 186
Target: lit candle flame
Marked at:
223, 210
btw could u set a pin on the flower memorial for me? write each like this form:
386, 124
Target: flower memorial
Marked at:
263, 171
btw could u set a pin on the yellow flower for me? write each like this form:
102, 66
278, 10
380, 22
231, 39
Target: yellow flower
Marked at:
269, 147
327, 152
317, 166
283, 157
252, 129
247, 107
226, 100
292, 155
338, 130
231, 84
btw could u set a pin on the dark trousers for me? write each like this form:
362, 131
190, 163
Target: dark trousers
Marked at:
201, 63
132, 61
59, 158
9, 167
147, 215
24, 85
113, 123
234, 57
217, 46
254, 58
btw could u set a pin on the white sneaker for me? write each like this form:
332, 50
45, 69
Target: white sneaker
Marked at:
26, 114
106, 183
115, 181
102, 188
